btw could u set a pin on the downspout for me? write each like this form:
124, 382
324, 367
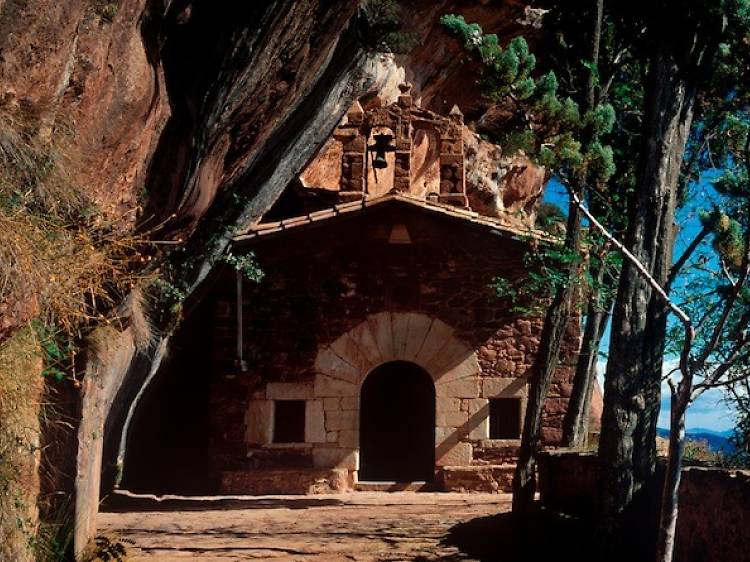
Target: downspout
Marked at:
241, 365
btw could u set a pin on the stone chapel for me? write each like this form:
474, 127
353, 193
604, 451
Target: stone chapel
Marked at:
374, 354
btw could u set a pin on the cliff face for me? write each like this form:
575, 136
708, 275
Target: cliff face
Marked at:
186, 119
168, 103
87, 70
175, 100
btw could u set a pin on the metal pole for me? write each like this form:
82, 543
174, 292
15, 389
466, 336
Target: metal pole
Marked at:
240, 336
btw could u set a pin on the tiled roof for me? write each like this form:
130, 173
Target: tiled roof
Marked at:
492, 223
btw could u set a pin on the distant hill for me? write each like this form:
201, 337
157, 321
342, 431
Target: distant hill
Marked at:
717, 440
726, 433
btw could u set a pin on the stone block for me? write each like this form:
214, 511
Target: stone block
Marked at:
458, 454
259, 422
336, 421
403, 144
355, 113
357, 144
445, 436
443, 404
479, 418
556, 406
451, 353
500, 387
328, 386
345, 133
367, 344
289, 390
462, 388
451, 419
419, 325
453, 368
259, 394
284, 481
348, 350
400, 329
380, 326
474, 405
450, 157
330, 364
505, 366
437, 338
551, 435
486, 478
332, 436
349, 403
524, 326
315, 431
331, 404
335, 457
566, 389
349, 438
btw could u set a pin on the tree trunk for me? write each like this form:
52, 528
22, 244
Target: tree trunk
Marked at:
632, 392
669, 499
555, 324
575, 424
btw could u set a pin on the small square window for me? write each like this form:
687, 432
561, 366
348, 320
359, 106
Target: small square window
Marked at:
289, 421
505, 418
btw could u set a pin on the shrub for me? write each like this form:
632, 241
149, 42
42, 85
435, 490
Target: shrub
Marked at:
381, 27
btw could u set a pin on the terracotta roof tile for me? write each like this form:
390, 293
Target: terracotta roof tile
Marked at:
267, 225
320, 215
493, 223
295, 221
350, 206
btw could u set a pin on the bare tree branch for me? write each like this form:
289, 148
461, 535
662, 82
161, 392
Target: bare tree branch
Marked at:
682, 260
683, 317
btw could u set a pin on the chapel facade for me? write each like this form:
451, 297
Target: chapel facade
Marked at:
375, 354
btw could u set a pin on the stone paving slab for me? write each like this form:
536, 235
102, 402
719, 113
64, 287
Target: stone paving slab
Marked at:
359, 527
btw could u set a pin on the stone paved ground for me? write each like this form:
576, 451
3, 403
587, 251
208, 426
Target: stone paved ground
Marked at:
361, 527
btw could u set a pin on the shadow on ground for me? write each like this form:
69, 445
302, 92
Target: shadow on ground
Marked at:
124, 504
543, 536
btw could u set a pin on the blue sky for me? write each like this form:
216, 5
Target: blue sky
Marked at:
710, 411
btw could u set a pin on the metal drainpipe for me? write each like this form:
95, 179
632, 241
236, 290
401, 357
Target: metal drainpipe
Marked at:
241, 366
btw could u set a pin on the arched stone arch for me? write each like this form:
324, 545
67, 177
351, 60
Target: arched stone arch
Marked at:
398, 336
342, 366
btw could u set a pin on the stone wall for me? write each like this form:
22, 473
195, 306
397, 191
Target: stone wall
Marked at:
346, 281
403, 122
714, 510
568, 481
714, 519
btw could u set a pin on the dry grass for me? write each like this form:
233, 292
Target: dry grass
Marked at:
65, 267
21, 388
56, 252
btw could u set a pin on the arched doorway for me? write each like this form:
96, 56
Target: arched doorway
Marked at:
397, 424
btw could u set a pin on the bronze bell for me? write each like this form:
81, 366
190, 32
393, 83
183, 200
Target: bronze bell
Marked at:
381, 145
379, 161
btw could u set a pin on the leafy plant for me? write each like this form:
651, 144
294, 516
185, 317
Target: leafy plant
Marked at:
106, 10
381, 28
550, 218
246, 265
546, 267
108, 549
538, 121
